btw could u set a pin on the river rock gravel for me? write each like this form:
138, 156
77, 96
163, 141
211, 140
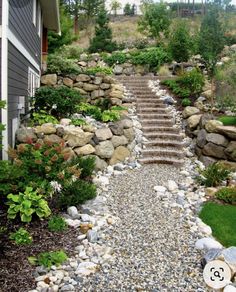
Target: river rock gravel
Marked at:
152, 242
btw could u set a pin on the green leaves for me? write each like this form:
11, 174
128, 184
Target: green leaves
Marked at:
21, 237
26, 204
57, 224
47, 259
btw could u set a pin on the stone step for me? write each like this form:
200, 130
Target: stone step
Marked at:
164, 129
156, 122
163, 143
150, 101
152, 110
162, 135
155, 116
161, 152
150, 105
161, 160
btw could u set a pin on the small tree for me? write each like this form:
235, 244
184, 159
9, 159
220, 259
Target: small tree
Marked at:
127, 9
102, 41
211, 43
115, 5
155, 20
180, 43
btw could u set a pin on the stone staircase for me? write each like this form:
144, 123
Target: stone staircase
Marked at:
164, 142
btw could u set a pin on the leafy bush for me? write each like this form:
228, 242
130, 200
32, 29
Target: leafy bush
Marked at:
76, 193
2, 127
188, 84
228, 120
26, 204
61, 65
42, 117
98, 114
186, 102
78, 122
154, 57
98, 69
213, 175
116, 58
21, 237
57, 224
48, 259
70, 52
59, 102
227, 194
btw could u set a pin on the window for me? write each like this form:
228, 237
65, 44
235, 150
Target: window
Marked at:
33, 82
34, 12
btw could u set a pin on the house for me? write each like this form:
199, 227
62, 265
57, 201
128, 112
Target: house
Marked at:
23, 45
137, 5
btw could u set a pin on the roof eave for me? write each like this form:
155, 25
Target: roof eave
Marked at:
51, 15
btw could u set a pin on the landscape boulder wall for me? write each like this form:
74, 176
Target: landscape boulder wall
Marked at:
110, 144
213, 141
92, 87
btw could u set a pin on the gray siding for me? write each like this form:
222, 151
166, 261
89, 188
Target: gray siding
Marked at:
18, 67
0, 12
21, 24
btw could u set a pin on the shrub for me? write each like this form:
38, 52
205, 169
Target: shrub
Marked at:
59, 102
48, 259
186, 102
213, 175
42, 117
115, 58
176, 88
76, 193
78, 122
26, 204
70, 52
2, 127
87, 166
228, 120
61, 65
227, 194
21, 237
57, 224
98, 69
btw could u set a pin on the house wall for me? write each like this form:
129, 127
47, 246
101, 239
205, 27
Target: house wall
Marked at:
0, 12
21, 24
18, 70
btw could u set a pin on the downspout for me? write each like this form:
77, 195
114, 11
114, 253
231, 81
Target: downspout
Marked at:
4, 76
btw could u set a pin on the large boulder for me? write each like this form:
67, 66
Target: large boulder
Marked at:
214, 150
212, 125
85, 150
77, 137
103, 134
129, 134
116, 128
193, 121
68, 82
105, 86
119, 155
206, 160
52, 139
190, 111
231, 151
90, 87
217, 139
97, 93
46, 129
119, 141
100, 164
49, 79
201, 138
24, 135
229, 131
83, 78
126, 123
104, 149
118, 70
68, 154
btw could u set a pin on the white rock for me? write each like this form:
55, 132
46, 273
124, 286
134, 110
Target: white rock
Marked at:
81, 237
101, 181
59, 274
229, 288
73, 212
86, 268
85, 218
207, 243
172, 185
73, 223
160, 189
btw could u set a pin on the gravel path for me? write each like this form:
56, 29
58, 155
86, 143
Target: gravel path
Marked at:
153, 247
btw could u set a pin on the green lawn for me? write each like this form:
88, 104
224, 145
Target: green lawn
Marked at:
222, 219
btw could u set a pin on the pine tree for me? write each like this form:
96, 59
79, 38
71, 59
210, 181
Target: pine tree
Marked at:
102, 41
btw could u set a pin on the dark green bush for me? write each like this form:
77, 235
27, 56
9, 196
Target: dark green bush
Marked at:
186, 102
57, 224
62, 66
76, 193
177, 89
85, 164
227, 194
213, 175
116, 58
95, 70
59, 102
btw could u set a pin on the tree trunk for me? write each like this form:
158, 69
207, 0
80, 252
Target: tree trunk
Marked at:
212, 93
76, 25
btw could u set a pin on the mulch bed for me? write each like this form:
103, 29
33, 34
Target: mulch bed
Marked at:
16, 274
